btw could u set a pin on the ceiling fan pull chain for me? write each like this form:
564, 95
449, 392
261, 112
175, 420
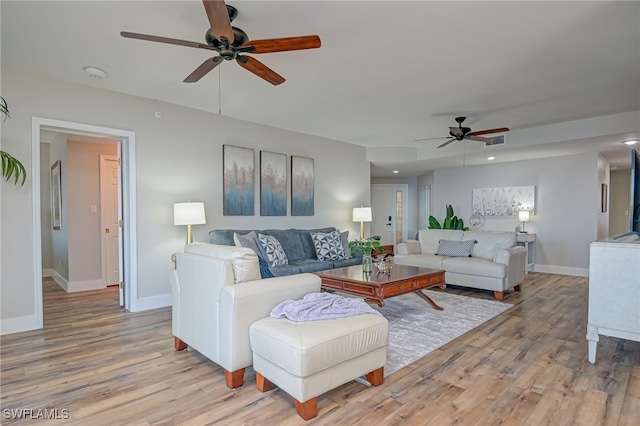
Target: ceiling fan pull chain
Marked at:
219, 91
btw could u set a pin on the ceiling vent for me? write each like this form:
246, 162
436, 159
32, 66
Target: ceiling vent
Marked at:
496, 140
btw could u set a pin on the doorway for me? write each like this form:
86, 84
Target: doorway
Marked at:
389, 212
126, 140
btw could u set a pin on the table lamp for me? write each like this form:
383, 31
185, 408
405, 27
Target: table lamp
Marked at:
362, 215
523, 216
188, 214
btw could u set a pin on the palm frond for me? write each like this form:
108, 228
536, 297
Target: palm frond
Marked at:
12, 168
4, 108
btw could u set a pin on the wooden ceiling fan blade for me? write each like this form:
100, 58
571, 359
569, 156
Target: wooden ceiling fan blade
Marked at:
479, 138
283, 44
489, 131
166, 40
446, 143
260, 69
219, 19
203, 69
455, 131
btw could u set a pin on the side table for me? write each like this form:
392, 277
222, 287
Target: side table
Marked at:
525, 238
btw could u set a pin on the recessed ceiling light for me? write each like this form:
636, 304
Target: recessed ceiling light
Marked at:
491, 158
396, 171
630, 142
95, 72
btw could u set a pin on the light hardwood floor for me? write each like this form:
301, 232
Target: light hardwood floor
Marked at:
527, 366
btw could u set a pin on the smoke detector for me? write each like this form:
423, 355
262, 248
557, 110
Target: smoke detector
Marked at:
94, 72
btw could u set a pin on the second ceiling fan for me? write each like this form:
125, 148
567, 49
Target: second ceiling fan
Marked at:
460, 133
232, 43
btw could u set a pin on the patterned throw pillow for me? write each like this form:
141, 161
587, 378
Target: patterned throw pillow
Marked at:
455, 248
272, 250
328, 246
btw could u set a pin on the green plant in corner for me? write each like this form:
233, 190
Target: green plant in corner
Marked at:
11, 166
450, 222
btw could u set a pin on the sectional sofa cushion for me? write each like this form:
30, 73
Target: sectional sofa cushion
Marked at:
490, 242
429, 241
244, 261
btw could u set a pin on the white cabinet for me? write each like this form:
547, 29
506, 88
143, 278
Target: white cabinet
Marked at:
614, 292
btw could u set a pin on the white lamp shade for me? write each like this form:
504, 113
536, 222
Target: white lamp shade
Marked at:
188, 214
523, 215
362, 214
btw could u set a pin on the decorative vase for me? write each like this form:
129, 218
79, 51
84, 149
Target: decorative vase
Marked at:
367, 263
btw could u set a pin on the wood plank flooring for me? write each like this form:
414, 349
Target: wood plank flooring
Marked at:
527, 366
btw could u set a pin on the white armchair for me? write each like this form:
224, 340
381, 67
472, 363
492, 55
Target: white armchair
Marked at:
217, 295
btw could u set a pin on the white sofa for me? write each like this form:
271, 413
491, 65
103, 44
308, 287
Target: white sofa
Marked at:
217, 294
496, 263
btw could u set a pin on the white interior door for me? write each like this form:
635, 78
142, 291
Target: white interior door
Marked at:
110, 218
388, 212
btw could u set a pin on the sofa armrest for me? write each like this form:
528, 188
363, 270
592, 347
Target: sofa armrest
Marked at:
243, 304
408, 247
516, 259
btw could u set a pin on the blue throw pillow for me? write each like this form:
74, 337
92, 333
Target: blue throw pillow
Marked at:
455, 248
265, 272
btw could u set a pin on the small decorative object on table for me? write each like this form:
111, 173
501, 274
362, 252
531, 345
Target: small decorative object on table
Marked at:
385, 264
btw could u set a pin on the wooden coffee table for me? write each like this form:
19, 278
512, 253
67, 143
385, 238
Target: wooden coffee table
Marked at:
375, 287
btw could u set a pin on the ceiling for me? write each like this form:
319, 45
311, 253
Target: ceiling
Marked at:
387, 73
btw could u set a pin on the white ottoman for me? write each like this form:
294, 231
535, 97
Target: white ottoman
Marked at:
306, 359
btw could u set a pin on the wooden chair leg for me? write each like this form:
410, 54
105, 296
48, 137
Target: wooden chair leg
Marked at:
234, 379
307, 410
263, 384
179, 345
518, 287
498, 295
376, 377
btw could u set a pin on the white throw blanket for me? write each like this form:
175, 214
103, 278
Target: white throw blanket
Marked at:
319, 306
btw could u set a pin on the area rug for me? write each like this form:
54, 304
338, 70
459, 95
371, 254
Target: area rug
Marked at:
416, 329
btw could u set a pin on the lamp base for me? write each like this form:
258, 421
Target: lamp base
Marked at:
189, 235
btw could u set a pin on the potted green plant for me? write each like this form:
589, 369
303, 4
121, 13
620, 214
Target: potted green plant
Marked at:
450, 222
11, 166
366, 247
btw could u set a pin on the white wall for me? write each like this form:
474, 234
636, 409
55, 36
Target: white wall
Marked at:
179, 158
59, 237
567, 204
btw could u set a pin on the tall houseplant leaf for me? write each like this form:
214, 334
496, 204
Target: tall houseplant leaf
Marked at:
11, 166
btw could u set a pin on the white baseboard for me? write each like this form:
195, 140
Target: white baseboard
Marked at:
75, 286
152, 302
62, 281
18, 324
561, 270
47, 272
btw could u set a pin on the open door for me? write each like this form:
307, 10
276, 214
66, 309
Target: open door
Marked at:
111, 218
120, 224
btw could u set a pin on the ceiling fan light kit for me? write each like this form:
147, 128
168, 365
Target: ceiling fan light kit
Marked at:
232, 43
463, 133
